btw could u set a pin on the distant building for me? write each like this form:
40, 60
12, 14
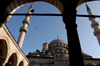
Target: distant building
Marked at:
56, 54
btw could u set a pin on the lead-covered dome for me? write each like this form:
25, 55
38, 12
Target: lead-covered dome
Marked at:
58, 41
58, 46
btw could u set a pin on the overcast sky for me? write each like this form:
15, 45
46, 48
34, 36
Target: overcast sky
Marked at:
49, 27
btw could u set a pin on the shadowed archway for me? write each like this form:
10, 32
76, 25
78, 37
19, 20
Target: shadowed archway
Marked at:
3, 51
21, 63
12, 60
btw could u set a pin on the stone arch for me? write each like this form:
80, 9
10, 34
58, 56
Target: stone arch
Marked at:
3, 50
12, 60
16, 4
21, 63
81, 2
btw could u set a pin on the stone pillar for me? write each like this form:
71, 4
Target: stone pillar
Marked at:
69, 18
75, 53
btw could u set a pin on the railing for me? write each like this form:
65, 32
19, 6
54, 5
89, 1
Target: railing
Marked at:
22, 14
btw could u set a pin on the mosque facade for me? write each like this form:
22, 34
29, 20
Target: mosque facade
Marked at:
56, 54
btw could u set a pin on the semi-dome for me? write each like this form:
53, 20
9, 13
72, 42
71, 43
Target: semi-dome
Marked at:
58, 41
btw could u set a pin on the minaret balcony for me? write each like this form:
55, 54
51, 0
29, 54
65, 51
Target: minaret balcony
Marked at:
94, 24
24, 29
26, 21
97, 32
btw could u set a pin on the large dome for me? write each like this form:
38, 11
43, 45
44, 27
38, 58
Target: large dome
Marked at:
58, 41
58, 46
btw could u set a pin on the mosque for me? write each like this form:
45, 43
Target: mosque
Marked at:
54, 53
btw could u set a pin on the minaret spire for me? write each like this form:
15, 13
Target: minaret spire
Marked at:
94, 24
30, 9
87, 7
23, 29
88, 10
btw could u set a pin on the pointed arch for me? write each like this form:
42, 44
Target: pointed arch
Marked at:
81, 2
16, 4
12, 60
21, 63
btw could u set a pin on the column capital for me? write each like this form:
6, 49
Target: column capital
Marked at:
70, 19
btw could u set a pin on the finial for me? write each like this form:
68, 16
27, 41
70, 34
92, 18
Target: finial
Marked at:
31, 8
46, 42
57, 37
87, 7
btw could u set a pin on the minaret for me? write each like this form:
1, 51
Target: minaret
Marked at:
23, 29
94, 24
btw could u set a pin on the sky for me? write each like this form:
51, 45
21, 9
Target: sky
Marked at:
49, 27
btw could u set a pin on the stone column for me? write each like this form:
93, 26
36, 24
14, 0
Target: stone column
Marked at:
69, 18
75, 54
